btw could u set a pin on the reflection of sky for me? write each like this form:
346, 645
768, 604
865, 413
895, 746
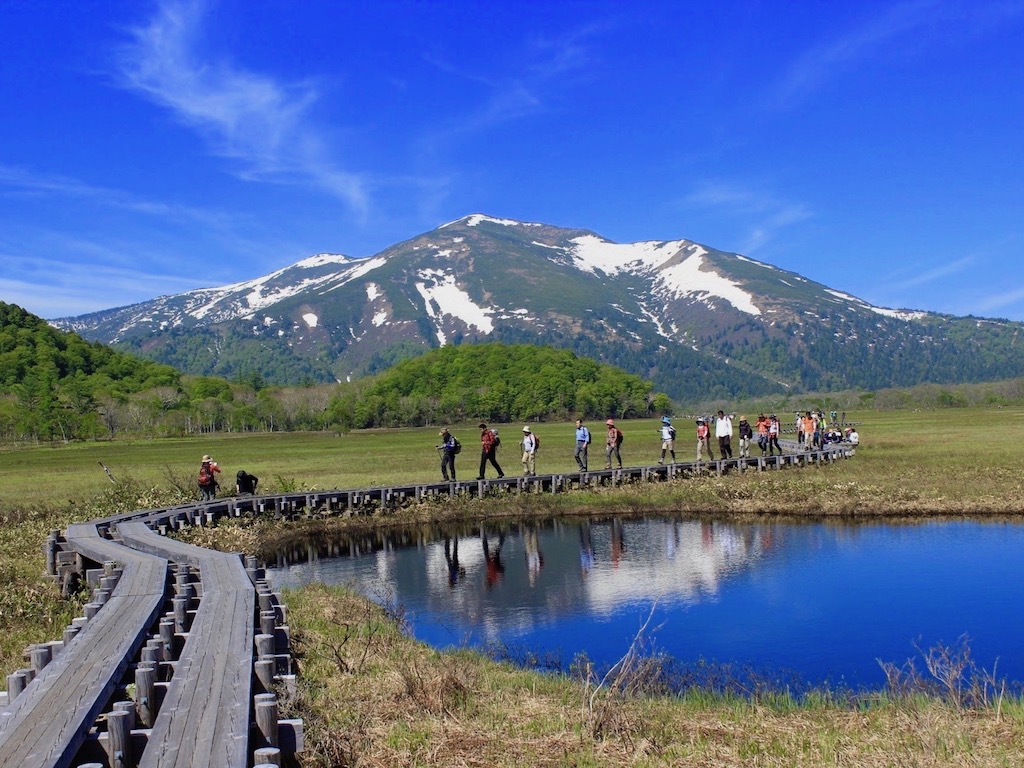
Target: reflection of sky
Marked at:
824, 600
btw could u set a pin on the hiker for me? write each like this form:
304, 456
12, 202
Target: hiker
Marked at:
807, 428
762, 433
582, 441
449, 447
723, 431
245, 484
208, 484
746, 435
529, 452
489, 442
612, 441
668, 439
774, 427
704, 439
852, 437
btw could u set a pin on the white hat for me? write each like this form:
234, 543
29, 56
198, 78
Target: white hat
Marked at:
526, 430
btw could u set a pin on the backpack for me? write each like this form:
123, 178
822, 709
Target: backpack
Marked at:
619, 437
672, 432
536, 443
205, 475
497, 440
458, 445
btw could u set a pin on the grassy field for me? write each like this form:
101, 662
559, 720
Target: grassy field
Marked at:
371, 696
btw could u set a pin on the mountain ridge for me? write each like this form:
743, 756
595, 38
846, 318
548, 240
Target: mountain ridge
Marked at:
697, 321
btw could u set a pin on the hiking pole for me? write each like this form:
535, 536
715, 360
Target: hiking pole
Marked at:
108, 472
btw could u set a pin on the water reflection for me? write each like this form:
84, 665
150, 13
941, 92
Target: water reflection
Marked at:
825, 600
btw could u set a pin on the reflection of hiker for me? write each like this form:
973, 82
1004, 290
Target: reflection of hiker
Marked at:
488, 450
492, 557
534, 557
451, 556
586, 549
582, 441
612, 441
449, 447
245, 484
208, 484
618, 541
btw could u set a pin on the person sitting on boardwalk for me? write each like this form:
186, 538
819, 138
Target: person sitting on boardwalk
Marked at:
612, 441
852, 437
529, 452
704, 440
449, 447
582, 441
668, 439
488, 450
208, 484
245, 484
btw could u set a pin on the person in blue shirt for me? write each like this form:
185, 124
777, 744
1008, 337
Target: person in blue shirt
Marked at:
582, 441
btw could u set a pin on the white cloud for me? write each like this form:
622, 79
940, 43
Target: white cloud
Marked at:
247, 117
763, 214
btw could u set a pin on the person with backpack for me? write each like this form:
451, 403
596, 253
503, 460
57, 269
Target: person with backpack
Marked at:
245, 484
704, 440
208, 485
746, 435
668, 439
774, 427
613, 440
448, 448
489, 442
582, 441
530, 445
723, 431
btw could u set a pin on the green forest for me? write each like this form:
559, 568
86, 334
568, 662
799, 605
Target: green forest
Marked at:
55, 386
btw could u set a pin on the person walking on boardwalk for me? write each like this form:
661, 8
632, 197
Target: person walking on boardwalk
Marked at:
448, 448
208, 484
746, 436
245, 484
668, 439
723, 431
807, 430
613, 439
704, 439
530, 443
762, 425
774, 427
582, 441
488, 450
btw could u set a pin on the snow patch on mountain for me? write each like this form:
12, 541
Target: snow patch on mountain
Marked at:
439, 289
380, 318
593, 253
899, 314
372, 291
311, 319
476, 218
687, 278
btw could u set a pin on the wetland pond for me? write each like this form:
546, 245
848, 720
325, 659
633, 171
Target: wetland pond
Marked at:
817, 604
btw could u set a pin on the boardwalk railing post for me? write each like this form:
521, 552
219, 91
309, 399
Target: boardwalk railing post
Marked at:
266, 718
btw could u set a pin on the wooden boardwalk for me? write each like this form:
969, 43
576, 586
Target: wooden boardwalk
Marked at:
206, 667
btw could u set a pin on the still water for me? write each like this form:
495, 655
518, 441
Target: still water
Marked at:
818, 603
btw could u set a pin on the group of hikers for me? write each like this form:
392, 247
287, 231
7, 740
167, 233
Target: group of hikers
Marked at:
811, 428
811, 432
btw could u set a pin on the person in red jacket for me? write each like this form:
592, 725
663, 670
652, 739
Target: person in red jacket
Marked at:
488, 450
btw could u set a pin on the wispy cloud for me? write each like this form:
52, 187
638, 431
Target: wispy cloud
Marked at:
898, 29
262, 124
936, 273
764, 214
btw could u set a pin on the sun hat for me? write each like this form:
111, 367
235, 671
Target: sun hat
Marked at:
526, 430
666, 420
443, 431
206, 457
610, 422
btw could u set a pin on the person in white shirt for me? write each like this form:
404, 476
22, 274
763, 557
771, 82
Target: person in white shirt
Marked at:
852, 437
529, 453
723, 431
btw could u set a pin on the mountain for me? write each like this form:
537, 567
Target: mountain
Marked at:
698, 322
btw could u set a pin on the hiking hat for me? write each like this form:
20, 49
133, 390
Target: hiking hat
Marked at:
526, 430
610, 422
666, 420
206, 457
443, 431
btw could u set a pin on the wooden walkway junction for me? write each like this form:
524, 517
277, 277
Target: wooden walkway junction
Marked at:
182, 651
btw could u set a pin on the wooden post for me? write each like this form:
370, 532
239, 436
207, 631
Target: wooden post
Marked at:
267, 756
145, 695
120, 740
15, 685
266, 718
41, 655
265, 673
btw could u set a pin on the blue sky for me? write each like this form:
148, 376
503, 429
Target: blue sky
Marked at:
149, 148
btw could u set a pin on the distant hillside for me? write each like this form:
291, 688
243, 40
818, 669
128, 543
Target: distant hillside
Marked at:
697, 322
52, 380
498, 383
